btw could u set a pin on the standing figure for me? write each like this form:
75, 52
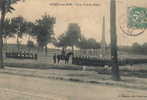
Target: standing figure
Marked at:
36, 56
63, 53
54, 58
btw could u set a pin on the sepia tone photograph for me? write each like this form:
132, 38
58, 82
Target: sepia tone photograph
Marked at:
73, 50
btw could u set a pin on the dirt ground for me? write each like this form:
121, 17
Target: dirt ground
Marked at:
43, 80
14, 87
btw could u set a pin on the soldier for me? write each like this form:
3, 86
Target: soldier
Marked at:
31, 55
55, 58
63, 52
36, 56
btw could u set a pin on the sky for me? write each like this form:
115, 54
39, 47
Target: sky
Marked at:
89, 17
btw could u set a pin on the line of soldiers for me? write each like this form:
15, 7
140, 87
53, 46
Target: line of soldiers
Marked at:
85, 60
89, 61
21, 55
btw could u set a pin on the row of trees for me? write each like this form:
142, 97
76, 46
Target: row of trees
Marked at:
73, 38
135, 48
42, 31
139, 49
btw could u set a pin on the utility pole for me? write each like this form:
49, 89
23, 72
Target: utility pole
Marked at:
103, 41
114, 58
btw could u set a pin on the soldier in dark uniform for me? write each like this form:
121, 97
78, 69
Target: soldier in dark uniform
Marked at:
63, 53
55, 58
36, 56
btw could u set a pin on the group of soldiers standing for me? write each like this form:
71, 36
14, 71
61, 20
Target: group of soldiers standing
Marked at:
63, 53
89, 61
21, 55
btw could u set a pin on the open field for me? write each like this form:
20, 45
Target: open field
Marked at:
18, 87
70, 82
46, 62
81, 76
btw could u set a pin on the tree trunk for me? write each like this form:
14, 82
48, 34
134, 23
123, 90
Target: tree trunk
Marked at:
18, 45
46, 50
29, 48
1, 51
29, 38
6, 45
73, 49
1, 32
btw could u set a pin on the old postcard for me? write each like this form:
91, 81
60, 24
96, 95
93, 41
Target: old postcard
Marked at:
73, 49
